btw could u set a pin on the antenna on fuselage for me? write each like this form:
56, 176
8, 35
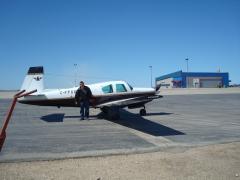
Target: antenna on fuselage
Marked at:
75, 75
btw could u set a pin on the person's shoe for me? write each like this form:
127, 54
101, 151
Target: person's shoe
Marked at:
82, 118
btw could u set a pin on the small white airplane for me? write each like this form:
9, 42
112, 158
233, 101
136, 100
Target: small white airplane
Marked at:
108, 96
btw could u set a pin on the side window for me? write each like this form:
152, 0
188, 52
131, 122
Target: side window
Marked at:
120, 88
130, 87
107, 89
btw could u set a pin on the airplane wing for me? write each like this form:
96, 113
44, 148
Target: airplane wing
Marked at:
129, 101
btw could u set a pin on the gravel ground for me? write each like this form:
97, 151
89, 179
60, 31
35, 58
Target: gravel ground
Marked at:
220, 161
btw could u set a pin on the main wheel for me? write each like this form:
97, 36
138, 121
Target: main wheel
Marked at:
142, 112
111, 113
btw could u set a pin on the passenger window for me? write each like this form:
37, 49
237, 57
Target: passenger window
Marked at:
120, 88
107, 89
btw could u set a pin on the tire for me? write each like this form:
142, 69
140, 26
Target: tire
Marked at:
111, 113
142, 112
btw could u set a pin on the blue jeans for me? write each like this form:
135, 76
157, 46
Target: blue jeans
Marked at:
84, 109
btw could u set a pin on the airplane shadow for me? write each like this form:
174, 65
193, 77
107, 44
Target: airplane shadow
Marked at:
58, 117
139, 123
91, 116
158, 114
128, 119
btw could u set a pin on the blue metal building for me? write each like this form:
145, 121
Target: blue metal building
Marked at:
181, 79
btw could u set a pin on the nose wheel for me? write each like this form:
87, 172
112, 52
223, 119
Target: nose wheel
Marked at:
143, 112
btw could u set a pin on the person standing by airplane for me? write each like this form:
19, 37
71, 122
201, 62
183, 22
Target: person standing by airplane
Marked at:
82, 97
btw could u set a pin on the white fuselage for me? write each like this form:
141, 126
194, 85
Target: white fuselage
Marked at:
118, 89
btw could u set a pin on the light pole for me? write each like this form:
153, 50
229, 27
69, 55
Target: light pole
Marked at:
75, 74
151, 74
187, 63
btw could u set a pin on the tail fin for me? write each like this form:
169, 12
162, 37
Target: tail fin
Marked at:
33, 80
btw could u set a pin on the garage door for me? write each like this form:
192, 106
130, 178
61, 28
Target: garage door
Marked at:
210, 83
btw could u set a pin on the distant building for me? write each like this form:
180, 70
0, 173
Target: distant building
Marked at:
181, 79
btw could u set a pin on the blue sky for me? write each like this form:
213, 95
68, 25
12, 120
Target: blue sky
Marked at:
117, 39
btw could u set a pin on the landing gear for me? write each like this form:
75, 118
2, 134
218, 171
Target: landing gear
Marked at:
143, 112
111, 113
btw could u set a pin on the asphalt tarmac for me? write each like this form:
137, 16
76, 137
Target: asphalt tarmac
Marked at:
173, 123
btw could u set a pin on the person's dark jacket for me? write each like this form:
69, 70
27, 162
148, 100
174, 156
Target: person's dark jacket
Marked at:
83, 94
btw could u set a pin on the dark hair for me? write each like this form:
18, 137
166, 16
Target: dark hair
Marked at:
81, 82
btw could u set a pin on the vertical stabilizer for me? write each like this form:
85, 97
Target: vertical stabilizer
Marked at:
33, 80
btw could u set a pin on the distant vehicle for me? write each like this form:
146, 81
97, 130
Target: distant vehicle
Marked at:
108, 96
